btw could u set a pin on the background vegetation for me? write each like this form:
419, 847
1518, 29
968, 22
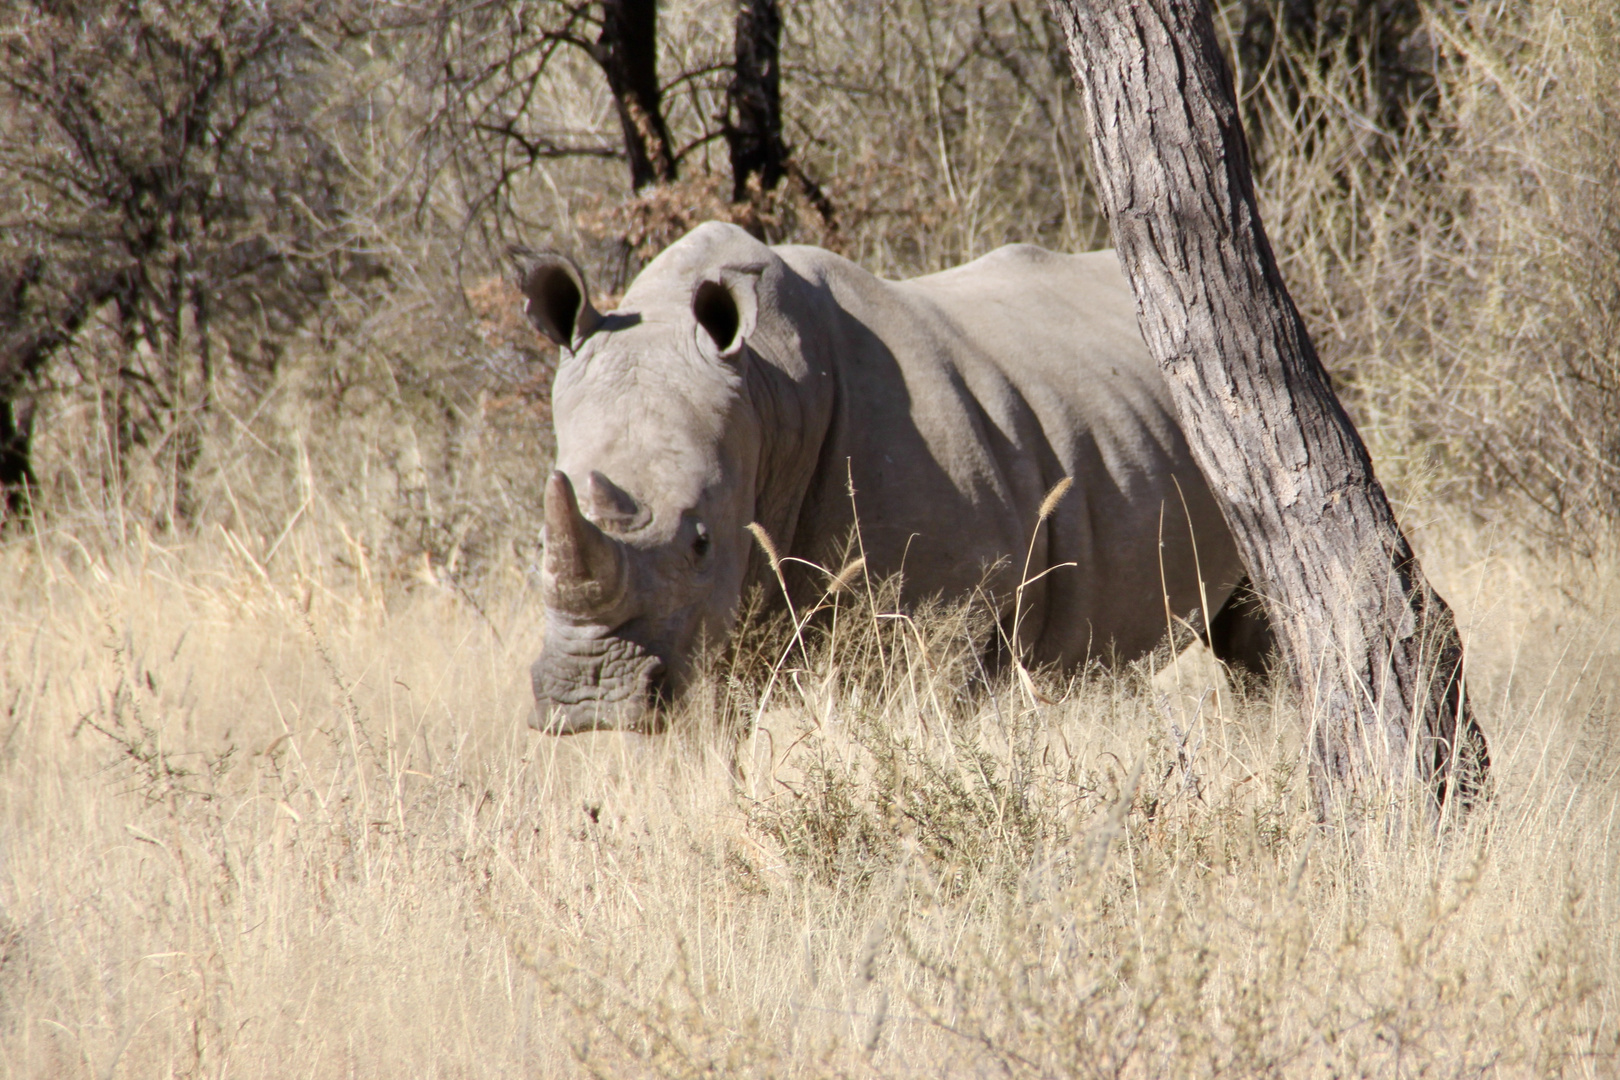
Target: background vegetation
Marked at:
273, 439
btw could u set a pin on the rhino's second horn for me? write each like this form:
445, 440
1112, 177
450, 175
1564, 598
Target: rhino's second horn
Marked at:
585, 568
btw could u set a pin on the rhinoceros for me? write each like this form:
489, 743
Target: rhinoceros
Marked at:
742, 383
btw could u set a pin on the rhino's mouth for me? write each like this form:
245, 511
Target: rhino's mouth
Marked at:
596, 684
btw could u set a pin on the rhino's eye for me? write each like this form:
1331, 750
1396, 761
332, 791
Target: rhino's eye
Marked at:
700, 542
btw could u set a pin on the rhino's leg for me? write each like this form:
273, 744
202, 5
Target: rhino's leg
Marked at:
1240, 634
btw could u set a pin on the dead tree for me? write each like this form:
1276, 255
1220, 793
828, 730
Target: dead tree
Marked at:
754, 100
627, 50
753, 125
1374, 650
167, 177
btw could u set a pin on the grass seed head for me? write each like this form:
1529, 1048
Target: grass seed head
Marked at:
1055, 496
766, 545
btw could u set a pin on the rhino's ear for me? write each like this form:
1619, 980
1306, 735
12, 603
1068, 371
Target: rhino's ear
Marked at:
725, 306
556, 298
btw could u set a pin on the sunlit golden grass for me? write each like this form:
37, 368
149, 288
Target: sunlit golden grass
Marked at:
268, 805
269, 822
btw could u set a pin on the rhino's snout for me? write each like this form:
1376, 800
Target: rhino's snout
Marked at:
620, 688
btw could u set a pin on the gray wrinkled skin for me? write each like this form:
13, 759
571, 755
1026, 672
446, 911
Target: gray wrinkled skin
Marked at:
953, 401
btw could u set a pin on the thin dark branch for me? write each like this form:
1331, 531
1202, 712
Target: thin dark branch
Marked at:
538, 148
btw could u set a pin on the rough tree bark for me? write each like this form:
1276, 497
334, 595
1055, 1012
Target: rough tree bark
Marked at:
1373, 647
627, 51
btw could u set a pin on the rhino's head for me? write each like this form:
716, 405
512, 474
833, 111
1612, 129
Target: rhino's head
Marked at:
646, 541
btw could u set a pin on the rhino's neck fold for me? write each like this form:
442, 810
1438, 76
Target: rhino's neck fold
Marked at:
793, 393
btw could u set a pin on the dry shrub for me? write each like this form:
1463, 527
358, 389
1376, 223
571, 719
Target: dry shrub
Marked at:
942, 130
649, 222
381, 401
422, 433
1458, 272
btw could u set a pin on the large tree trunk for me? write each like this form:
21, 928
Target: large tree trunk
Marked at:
754, 100
1373, 647
627, 51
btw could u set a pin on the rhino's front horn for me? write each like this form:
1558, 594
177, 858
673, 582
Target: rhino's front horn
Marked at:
585, 570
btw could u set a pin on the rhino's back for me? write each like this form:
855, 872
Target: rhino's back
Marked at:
1061, 331
1018, 327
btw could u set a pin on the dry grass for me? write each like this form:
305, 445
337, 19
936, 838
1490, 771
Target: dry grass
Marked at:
268, 806
269, 822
